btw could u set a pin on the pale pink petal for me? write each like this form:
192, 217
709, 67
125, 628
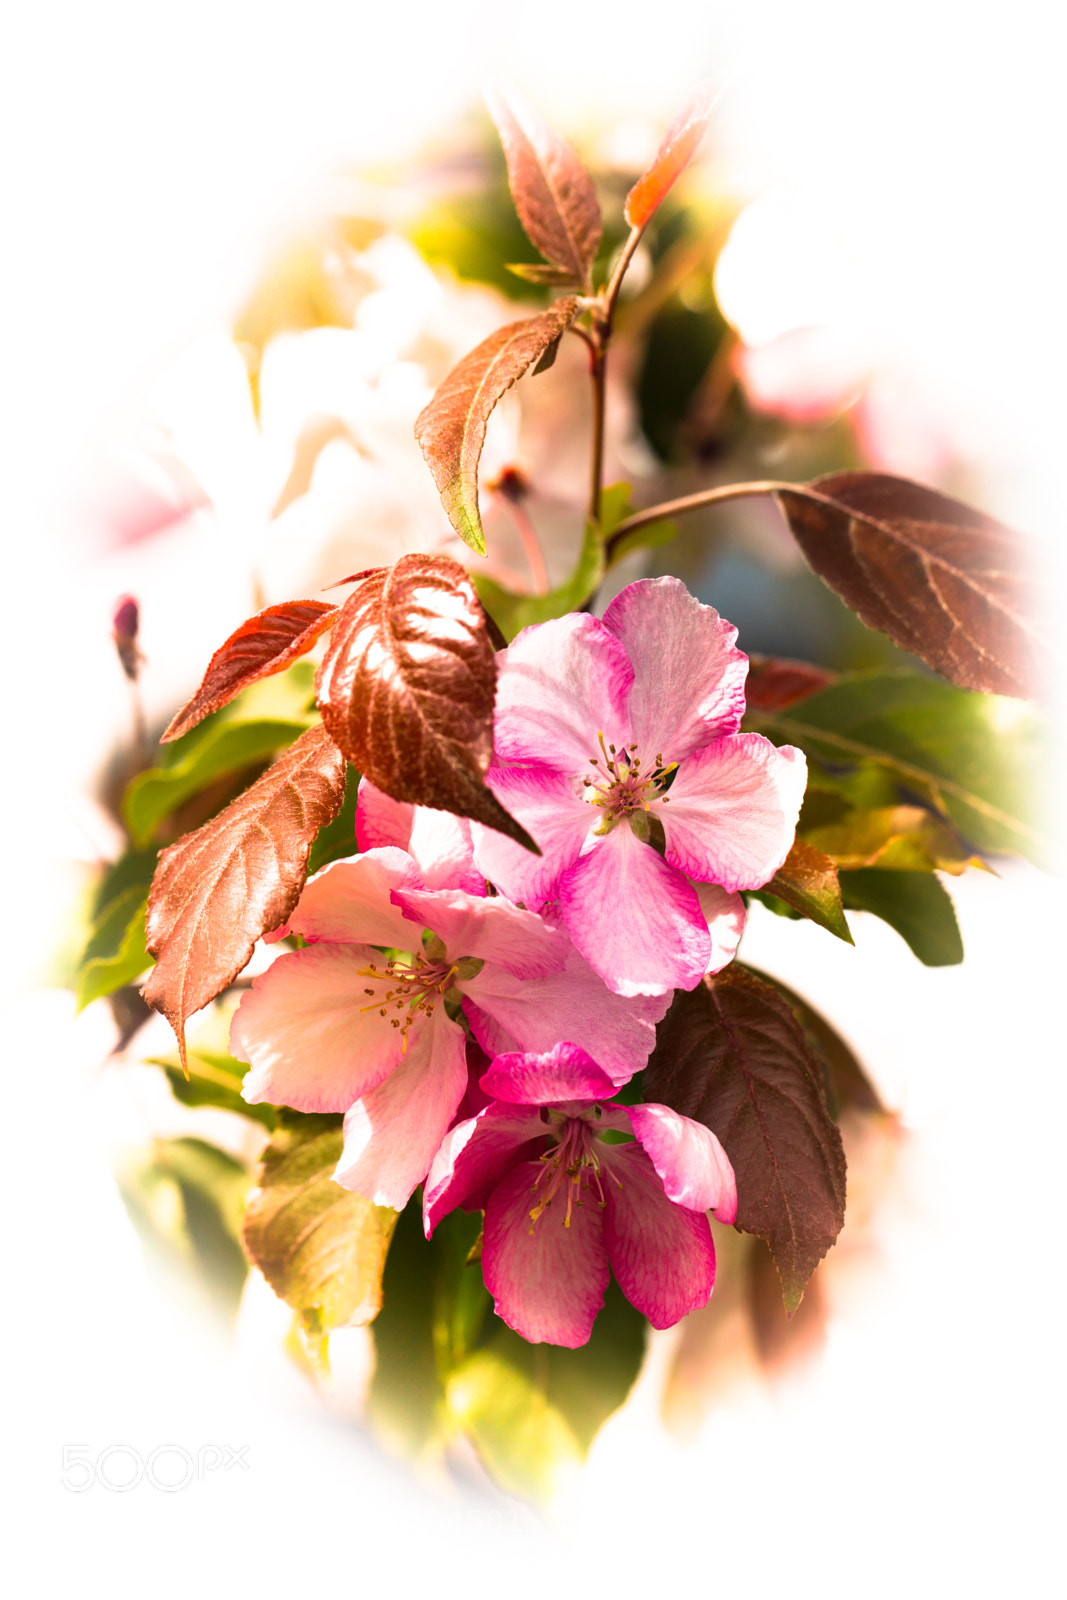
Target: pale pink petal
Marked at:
475, 1155
547, 1280
725, 916
532, 1014
634, 918
565, 1072
303, 1029
559, 684
392, 1133
662, 1254
550, 807
490, 929
439, 843
689, 680
731, 814
349, 900
693, 1166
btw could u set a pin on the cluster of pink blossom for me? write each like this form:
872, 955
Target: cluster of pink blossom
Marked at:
617, 746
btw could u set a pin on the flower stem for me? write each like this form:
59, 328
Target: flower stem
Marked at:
531, 546
691, 502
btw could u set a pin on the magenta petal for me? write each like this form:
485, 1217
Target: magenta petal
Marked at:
634, 918
731, 814
693, 1166
547, 1280
302, 1027
689, 681
439, 843
559, 684
662, 1254
490, 929
725, 916
392, 1133
563, 1073
509, 1014
550, 807
349, 901
474, 1156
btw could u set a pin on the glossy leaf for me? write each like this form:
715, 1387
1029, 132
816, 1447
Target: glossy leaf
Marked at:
916, 904
947, 583
219, 889
267, 643
673, 156
807, 881
731, 1054
451, 429
407, 686
553, 193
321, 1248
976, 758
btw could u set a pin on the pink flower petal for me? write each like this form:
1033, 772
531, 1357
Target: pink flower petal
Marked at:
439, 843
547, 1281
693, 1166
634, 918
490, 929
563, 1073
349, 901
303, 1029
731, 814
474, 1156
560, 683
550, 807
514, 1014
392, 1133
725, 916
662, 1254
689, 681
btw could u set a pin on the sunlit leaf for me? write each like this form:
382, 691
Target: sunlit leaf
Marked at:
807, 881
731, 1054
451, 429
676, 151
949, 584
407, 686
116, 952
553, 193
897, 838
219, 889
321, 1248
267, 643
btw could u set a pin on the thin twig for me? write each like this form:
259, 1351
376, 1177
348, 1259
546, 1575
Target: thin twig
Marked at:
693, 502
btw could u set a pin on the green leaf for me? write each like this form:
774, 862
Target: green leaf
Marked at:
513, 612
406, 1397
214, 1080
461, 1299
320, 1247
337, 839
915, 904
894, 838
531, 1411
186, 1199
807, 881
975, 757
116, 952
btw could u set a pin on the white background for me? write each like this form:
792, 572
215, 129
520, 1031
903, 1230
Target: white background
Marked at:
151, 155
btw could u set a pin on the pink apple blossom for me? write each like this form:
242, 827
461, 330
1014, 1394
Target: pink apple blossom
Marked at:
365, 1019
605, 728
563, 1205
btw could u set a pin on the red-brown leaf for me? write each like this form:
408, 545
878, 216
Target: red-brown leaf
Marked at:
265, 644
672, 157
942, 580
552, 191
731, 1054
407, 687
216, 891
774, 683
451, 429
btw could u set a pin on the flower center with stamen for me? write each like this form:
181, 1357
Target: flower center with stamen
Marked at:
409, 987
623, 787
572, 1162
